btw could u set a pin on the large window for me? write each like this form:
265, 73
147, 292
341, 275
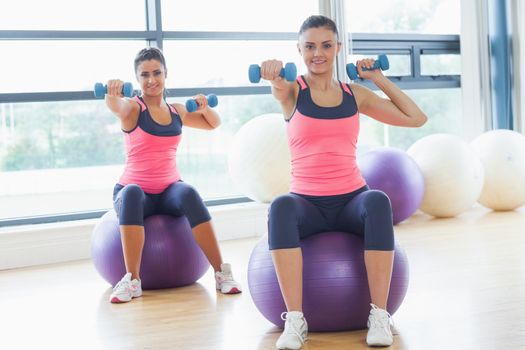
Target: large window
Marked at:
236, 15
60, 157
61, 150
72, 15
423, 51
64, 65
443, 107
403, 16
227, 69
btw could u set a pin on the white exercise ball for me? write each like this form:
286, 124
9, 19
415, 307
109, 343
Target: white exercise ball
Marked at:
453, 174
259, 159
502, 153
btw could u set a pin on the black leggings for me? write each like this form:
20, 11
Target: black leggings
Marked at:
132, 204
364, 212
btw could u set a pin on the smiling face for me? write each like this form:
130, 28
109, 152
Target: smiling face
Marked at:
151, 75
319, 47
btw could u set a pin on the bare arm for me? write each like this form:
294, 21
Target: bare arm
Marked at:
398, 109
203, 118
126, 110
285, 92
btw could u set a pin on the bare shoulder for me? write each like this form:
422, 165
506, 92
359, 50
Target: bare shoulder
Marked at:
185, 116
132, 111
131, 117
179, 108
359, 89
362, 94
133, 103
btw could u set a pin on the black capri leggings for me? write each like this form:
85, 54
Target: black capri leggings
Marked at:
132, 204
364, 212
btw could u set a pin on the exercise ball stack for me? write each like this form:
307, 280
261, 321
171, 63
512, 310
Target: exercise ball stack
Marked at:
259, 159
396, 174
170, 258
335, 284
452, 172
502, 153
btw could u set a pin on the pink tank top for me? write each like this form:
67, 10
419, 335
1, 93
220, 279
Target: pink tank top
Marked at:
151, 150
323, 142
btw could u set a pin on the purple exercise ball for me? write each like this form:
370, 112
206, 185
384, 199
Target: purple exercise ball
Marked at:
335, 284
170, 258
395, 173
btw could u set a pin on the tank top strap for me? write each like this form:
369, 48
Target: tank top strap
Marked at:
346, 88
302, 83
172, 109
140, 102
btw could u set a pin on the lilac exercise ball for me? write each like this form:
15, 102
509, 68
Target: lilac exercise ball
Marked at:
395, 173
170, 258
335, 285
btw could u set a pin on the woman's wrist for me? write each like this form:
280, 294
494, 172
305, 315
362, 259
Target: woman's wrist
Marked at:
380, 80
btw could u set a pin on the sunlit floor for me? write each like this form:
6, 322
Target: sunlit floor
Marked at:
467, 291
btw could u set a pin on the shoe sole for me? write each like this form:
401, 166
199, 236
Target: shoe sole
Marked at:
282, 347
116, 300
377, 345
234, 291
231, 291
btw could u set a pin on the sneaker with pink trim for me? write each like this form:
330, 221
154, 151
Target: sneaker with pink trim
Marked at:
126, 289
224, 281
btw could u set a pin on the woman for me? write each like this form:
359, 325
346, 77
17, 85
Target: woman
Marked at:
151, 183
327, 191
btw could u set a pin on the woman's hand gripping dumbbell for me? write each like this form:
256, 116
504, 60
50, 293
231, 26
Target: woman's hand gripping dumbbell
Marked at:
380, 63
288, 72
100, 89
192, 104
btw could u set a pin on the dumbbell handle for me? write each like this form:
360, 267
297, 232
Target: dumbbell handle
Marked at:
100, 90
289, 72
380, 63
192, 105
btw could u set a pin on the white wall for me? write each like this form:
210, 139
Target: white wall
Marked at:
60, 242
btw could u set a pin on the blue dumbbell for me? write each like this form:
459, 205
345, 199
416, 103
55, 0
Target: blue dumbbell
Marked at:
289, 72
101, 89
192, 105
380, 63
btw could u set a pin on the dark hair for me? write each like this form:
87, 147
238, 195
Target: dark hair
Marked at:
150, 53
317, 21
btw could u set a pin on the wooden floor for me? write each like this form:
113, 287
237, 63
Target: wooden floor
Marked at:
467, 291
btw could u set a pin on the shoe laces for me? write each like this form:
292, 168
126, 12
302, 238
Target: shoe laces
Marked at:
380, 318
123, 284
225, 277
289, 327
127, 283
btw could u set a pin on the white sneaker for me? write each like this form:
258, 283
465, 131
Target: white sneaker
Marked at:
224, 281
126, 290
295, 331
379, 331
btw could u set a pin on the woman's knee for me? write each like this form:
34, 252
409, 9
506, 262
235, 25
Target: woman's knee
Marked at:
132, 194
188, 194
130, 205
188, 202
282, 223
375, 200
284, 204
380, 234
